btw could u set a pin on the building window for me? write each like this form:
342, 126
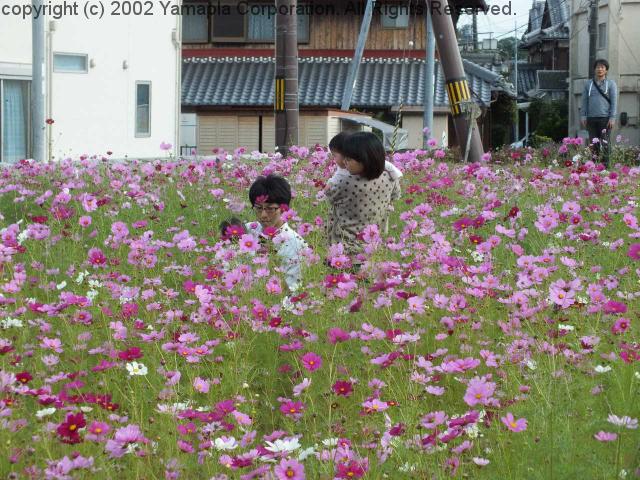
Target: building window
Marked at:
14, 120
602, 36
395, 16
143, 109
229, 26
254, 22
262, 28
195, 23
70, 63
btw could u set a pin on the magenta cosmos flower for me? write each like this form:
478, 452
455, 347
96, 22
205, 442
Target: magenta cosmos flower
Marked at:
289, 470
634, 251
514, 425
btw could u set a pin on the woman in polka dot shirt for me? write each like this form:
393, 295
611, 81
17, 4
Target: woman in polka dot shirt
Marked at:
361, 198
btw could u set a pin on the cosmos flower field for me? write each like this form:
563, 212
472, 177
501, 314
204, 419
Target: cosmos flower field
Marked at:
493, 334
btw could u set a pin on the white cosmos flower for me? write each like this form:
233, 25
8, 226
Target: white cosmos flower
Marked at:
135, 368
627, 422
286, 445
61, 285
45, 412
330, 442
225, 443
602, 369
306, 453
11, 322
568, 328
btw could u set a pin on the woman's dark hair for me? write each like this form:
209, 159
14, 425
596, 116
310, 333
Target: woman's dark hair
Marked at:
270, 189
338, 142
601, 61
367, 149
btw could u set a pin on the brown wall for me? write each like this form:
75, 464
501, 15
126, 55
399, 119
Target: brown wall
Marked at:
340, 32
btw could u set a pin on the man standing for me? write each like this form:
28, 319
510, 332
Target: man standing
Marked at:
599, 105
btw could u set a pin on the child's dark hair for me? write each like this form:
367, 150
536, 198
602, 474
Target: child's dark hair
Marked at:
367, 149
601, 61
338, 142
270, 189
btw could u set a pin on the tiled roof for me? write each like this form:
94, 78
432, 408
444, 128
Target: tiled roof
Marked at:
248, 81
556, 28
535, 16
558, 11
527, 79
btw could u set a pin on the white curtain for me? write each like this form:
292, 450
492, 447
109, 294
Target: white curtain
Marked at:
14, 120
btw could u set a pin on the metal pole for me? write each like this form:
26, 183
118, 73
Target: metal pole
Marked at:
516, 124
352, 76
286, 72
38, 84
456, 79
593, 35
475, 30
428, 78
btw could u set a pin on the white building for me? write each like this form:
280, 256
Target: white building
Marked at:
112, 85
618, 40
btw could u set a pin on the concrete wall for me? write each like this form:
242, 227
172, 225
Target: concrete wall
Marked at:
94, 112
413, 123
623, 37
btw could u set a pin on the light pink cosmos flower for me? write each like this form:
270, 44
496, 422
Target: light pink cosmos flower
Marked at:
249, 244
201, 385
375, 405
514, 425
289, 470
602, 436
479, 390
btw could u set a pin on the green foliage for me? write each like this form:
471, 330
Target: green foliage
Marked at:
551, 118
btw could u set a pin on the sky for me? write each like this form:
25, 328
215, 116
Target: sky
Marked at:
502, 26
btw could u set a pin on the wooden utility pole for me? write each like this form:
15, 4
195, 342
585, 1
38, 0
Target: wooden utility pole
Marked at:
286, 76
462, 106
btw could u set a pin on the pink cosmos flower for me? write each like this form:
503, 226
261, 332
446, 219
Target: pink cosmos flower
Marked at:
292, 409
335, 335
620, 326
514, 425
375, 405
602, 436
634, 251
614, 307
479, 390
249, 244
201, 385
289, 470
96, 257
353, 469
311, 361
342, 388
84, 221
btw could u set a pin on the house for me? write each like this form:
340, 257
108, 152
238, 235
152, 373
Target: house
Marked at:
543, 74
106, 92
228, 70
617, 39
